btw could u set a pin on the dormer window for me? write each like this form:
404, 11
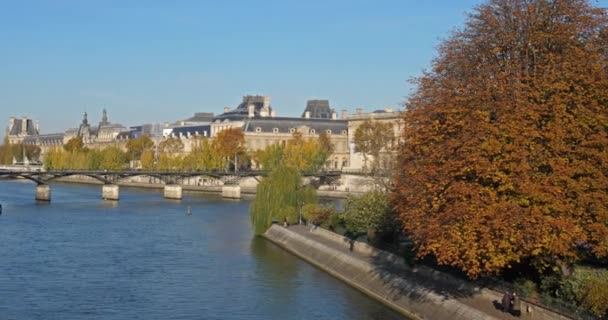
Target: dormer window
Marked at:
275, 130
328, 131
312, 131
258, 129
344, 132
292, 130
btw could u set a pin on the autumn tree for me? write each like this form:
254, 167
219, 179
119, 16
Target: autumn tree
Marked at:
136, 147
74, 144
230, 144
204, 156
371, 138
269, 157
147, 159
505, 146
171, 145
327, 147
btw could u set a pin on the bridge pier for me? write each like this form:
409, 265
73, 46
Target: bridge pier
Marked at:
43, 192
110, 192
231, 191
173, 191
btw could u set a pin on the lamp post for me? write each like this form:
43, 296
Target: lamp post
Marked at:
301, 205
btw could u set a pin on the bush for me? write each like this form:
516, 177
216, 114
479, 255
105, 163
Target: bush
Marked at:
587, 287
317, 214
370, 214
526, 288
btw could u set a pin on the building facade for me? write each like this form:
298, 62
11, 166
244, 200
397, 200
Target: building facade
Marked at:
262, 128
387, 115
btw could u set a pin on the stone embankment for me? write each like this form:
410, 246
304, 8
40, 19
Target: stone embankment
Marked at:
418, 293
196, 185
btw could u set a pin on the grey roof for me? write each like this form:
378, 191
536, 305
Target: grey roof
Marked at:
285, 124
192, 130
318, 109
52, 138
241, 112
127, 135
18, 125
201, 117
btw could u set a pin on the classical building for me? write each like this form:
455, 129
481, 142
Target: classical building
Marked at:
387, 115
258, 120
104, 132
19, 129
26, 131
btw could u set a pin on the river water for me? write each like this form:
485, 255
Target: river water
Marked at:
143, 257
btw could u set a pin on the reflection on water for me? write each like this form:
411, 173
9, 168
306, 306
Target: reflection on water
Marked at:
143, 257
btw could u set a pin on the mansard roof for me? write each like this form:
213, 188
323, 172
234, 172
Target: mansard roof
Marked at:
201, 117
52, 138
284, 124
318, 109
192, 130
18, 125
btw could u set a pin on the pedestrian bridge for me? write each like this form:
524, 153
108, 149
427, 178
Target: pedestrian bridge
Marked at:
172, 180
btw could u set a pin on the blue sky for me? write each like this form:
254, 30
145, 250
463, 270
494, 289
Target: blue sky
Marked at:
154, 61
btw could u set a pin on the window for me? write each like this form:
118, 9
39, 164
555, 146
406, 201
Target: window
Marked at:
258, 129
344, 132
292, 130
312, 131
328, 131
275, 130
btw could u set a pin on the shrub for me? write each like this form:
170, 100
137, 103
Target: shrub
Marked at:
587, 287
317, 214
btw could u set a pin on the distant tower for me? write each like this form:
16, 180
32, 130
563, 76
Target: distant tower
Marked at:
84, 119
104, 118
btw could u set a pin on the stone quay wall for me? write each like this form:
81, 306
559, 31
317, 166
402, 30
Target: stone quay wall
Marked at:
418, 293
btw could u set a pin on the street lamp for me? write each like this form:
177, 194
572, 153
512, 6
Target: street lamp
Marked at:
301, 205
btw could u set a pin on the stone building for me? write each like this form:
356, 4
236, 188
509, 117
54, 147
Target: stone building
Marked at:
19, 129
104, 132
261, 127
356, 159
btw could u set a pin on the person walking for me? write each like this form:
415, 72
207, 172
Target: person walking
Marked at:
516, 305
506, 302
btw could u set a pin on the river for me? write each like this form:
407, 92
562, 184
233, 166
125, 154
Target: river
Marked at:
80, 257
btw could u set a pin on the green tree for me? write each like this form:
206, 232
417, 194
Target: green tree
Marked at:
280, 196
504, 147
371, 214
270, 157
147, 159
113, 158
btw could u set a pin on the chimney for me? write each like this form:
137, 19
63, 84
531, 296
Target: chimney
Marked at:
388, 109
24, 125
273, 114
344, 114
251, 110
226, 109
11, 123
359, 111
37, 127
307, 114
334, 115
205, 133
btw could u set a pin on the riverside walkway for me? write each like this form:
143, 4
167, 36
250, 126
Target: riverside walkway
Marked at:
422, 292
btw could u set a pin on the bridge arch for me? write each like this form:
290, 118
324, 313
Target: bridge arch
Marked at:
70, 174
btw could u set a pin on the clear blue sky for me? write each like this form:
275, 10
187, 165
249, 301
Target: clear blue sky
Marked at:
153, 61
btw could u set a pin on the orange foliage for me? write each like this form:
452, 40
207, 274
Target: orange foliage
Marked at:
505, 153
